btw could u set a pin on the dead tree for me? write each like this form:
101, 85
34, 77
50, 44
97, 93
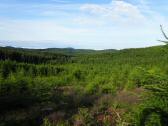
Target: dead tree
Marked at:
164, 34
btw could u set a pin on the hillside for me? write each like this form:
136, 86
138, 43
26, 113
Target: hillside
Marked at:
74, 87
68, 51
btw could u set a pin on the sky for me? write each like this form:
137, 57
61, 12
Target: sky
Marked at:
84, 24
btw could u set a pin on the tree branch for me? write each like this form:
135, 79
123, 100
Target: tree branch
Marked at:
163, 32
166, 42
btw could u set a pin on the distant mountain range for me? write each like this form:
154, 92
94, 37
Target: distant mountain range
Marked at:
68, 50
49, 47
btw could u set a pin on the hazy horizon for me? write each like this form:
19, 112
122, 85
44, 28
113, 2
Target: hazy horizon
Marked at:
50, 44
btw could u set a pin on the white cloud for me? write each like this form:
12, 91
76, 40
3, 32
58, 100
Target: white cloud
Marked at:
38, 30
88, 21
116, 10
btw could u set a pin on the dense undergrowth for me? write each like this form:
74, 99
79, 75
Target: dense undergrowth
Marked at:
106, 88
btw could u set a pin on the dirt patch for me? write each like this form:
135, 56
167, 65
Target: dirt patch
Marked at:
131, 97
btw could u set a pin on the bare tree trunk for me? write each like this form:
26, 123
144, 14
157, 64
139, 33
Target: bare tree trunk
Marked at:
164, 34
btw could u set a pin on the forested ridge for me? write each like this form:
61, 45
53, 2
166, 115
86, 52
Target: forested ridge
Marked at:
69, 87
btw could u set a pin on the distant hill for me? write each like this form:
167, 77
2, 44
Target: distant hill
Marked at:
68, 51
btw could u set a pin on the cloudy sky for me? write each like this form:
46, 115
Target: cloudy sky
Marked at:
92, 24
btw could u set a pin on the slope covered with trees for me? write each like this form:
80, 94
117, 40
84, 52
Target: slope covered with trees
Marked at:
49, 87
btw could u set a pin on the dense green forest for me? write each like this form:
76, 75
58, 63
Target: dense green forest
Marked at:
69, 87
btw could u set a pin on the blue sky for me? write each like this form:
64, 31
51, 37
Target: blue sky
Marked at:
91, 24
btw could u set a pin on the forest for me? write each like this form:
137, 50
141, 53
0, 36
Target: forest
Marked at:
71, 87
